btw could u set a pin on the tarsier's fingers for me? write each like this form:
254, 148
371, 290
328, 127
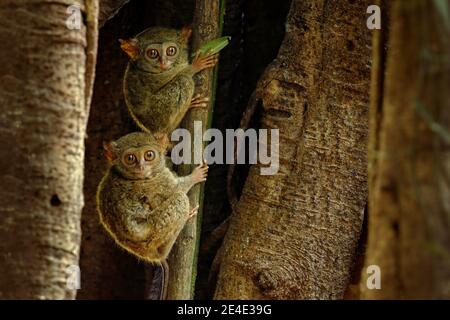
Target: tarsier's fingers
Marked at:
205, 61
211, 60
210, 65
202, 171
199, 102
203, 167
208, 60
203, 174
198, 105
193, 212
199, 98
209, 56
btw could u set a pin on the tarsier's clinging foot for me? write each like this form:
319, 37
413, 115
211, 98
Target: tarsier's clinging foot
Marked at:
199, 102
204, 61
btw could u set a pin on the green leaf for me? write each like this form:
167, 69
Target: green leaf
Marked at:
214, 46
442, 7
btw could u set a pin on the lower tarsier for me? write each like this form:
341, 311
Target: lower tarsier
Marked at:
142, 204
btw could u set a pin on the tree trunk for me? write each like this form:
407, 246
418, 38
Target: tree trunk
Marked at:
409, 156
246, 22
46, 72
183, 258
295, 233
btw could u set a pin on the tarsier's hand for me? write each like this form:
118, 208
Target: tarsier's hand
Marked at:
199, 102
204, 61
200, 173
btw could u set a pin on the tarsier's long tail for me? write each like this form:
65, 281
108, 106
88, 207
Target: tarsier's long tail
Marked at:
245, 121
164, 280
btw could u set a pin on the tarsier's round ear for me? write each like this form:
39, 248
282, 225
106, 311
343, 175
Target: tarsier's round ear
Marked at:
163, 140
186, 33
130, 47
109, 150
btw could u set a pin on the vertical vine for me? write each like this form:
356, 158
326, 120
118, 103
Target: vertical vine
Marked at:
208, 22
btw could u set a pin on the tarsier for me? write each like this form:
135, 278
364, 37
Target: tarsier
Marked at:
142, 204
158, 83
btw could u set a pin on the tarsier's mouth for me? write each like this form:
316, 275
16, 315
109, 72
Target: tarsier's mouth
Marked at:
141, 173
165, 66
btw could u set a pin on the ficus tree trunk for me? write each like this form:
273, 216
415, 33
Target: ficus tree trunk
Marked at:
46, 71
294, 234
409, 156
239, 70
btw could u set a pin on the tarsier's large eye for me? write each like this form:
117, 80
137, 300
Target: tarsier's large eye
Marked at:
152, 53
130, 159
149, 155
171, 51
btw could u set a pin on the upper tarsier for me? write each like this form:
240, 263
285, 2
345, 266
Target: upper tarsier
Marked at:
158, 83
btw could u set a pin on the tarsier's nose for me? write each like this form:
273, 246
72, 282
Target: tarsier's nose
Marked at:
163, 64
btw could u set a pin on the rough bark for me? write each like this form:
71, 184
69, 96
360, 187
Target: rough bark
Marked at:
409, 155
45, 77
295, 233
183, 258
240, 69
92, 24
